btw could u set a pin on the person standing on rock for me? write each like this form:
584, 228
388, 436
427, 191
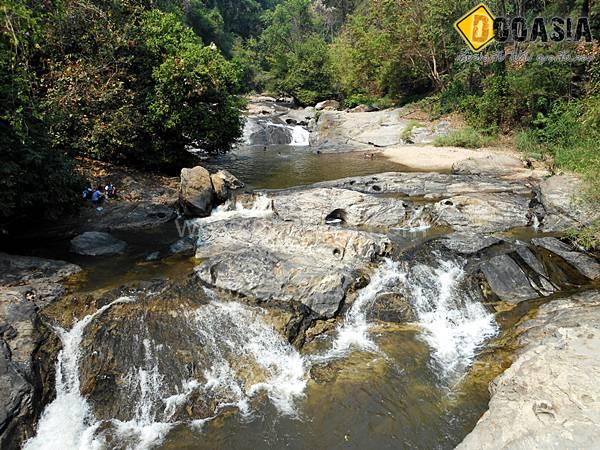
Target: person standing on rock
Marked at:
97, 197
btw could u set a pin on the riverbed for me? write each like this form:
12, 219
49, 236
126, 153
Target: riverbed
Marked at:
364, 383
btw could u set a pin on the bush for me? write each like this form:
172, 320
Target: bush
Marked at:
587, 238
466, 137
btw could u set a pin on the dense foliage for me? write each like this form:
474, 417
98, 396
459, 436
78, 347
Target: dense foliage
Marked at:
134, 81
35, 180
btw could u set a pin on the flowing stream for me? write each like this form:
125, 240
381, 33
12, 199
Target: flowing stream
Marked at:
68, 422
248, 357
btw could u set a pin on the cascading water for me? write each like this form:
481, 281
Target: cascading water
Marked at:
300, 136
232, 209
248, 356
273, 131
354, 332
68, 422
455, 324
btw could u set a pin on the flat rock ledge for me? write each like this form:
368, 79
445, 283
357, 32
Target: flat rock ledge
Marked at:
548, 398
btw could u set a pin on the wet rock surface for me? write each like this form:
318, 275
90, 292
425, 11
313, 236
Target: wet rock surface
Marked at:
97, 243
28, 347
224, 184
548, 398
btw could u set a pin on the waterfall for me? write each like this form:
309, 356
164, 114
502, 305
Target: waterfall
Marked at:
354, 332
232, 209
300, 136
454, 323
68, 422
149, 424
248, 356
273, 131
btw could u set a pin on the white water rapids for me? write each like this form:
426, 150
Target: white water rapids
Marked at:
295, 135
455, 325
248, 357
67, 422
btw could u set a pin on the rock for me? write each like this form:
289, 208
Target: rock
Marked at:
363, 108
342, 131
183, 245
176, 354
548, 398
469, 243
429, 185
492, 164
328, 105
391, 307
483, 212
224, 183
196, 192
585, 264
320, 205
507, 280
337, 131
284, 261
38, 279
28, 348
95, 243
560, 196
267, 130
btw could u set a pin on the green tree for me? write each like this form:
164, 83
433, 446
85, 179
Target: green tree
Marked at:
294, 53
35, 181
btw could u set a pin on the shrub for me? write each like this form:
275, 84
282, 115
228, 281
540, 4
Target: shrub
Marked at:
466, 137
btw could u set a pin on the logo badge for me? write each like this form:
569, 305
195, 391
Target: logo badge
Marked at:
476, 27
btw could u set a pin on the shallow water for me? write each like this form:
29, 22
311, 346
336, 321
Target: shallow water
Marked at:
284, 166
362, 401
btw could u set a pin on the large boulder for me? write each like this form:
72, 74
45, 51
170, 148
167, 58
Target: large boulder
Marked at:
176, 352
285, 261
561, 197
483, 212
327, 105
224, 183
196, 192
96, 243
549, 397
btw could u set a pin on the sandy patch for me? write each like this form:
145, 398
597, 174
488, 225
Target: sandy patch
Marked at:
430, 158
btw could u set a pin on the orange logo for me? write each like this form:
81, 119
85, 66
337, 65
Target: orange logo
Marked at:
476, 27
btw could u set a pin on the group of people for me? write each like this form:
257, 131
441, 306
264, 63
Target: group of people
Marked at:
98, 195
